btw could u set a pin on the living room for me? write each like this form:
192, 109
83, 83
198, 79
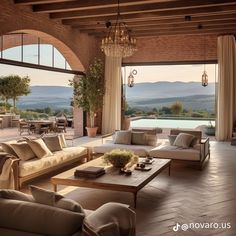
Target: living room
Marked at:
186, 188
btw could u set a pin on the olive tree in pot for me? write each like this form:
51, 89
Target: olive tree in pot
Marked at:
89, 92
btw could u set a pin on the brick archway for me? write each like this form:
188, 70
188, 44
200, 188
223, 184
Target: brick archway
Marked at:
78, 48
30, 38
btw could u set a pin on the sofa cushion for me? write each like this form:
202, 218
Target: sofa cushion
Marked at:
38, 218
148, 130
16, 195
194, 142
59, 157
62, 140
172, 139
39, 148
6, 146
53, 143
151, 139
140, 150
174, 152
138, 138
44, 196
183, 140
123, 137
47, 197
23, 151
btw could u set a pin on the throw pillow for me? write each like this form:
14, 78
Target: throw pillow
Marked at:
62, 140
23, 151
53, 143
15, 195
138, 138
39, 148
123, 137
50, 198
151, 139
183, 140
44, 196
194, 142
6, 147
70, 205
172, 139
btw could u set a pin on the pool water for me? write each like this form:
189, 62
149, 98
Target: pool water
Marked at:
169, 123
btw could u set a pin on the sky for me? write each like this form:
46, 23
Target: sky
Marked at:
184, 73
37, 77
172, 73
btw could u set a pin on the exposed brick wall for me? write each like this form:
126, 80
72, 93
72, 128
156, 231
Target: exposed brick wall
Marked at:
174, 49
79, 49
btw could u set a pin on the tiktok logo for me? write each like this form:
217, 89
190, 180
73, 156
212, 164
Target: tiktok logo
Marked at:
176, 227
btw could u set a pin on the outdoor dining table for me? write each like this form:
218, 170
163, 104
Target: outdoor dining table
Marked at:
39, 124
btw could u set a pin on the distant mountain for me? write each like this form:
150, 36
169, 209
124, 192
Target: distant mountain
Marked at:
195, 102
57, 97
162, 89
142, 95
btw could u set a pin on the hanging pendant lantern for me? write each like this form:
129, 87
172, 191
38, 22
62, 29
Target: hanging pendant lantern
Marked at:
204, 75
204, 79
130, 80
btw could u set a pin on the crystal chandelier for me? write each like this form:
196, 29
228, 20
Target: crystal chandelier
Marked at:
118, 42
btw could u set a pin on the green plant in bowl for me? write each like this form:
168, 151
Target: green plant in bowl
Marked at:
119, 158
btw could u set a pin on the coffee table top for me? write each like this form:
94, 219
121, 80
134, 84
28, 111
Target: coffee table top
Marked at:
112, 180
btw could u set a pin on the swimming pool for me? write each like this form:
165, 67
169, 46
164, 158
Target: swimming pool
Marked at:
169, 123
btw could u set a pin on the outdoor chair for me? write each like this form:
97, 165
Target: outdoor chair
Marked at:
44, 129
24, 127
61, 125
15, 120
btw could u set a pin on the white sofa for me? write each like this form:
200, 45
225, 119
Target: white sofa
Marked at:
198, 153
29, 169
140, 150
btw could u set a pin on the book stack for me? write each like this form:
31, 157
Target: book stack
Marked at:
90, 172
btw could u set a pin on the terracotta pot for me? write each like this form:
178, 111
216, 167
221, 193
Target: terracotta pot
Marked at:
92, 132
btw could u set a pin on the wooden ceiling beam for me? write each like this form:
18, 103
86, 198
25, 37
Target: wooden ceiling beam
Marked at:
155, 15
85, 5
181, 20
31, 2
172, 33
171, 26
218, 30
151, 7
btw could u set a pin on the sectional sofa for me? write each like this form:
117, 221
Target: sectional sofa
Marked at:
197, 150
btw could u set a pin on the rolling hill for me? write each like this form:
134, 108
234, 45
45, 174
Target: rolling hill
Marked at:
142, 95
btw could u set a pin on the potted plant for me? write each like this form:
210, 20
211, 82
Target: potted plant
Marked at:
210, 129
120, 158
89, 92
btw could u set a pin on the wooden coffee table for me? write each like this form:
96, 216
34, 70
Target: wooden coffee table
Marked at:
112, 180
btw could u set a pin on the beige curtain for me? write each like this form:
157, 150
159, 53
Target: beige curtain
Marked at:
226, 104
111, 117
